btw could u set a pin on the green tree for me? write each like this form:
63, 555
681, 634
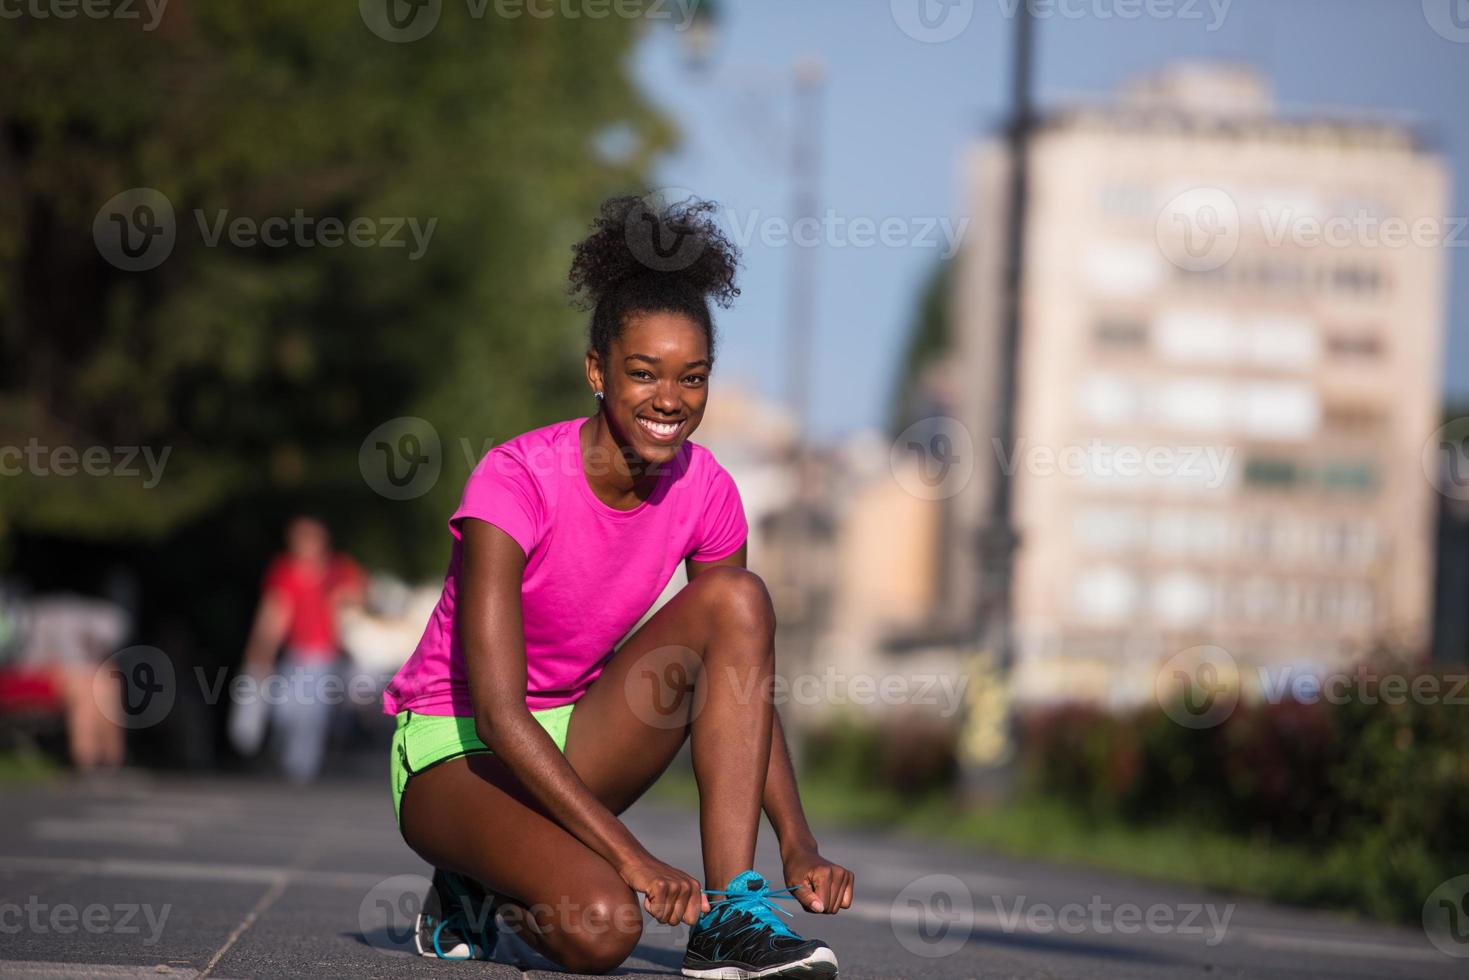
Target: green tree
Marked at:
929, 339
263, 368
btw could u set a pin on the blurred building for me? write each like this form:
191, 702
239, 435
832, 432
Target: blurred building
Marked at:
849, 556
1220, 409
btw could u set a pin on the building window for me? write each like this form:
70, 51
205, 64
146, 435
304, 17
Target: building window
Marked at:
1354, 346
1353, 420
1356, 279
1118, 334
1122, 200
1106, 593
1264, 471
1351, 477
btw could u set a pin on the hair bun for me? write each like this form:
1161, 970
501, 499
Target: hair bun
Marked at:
651, 238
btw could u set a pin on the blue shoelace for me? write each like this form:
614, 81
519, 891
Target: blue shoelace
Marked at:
460, 921
455, 921
758, 904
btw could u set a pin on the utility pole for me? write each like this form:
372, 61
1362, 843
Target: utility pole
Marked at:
806, 119
805, 164
998, 540
989, 728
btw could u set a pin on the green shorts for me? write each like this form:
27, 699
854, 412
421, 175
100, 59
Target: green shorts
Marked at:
421, 742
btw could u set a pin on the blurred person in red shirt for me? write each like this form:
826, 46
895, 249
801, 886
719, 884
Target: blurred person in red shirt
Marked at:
303, 591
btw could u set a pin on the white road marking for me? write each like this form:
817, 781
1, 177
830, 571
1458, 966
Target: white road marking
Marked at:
192, 871
1273, 939
893, 876
1319, 943
33, 970
72, 829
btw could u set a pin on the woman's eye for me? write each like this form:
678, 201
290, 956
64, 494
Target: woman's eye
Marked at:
641, 375
694, 379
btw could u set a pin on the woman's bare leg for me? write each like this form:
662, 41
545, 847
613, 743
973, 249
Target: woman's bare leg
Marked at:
471, 815
703, 663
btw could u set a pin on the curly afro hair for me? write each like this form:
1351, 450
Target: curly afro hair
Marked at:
648, 256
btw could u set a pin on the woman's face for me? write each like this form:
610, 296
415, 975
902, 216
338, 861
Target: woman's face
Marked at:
655, 382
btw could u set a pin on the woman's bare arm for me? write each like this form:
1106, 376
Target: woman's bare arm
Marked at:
493, 639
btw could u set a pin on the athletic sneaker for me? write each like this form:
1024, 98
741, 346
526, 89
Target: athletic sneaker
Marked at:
740, 938
458, 919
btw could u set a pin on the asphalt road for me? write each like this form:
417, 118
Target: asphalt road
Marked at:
147, 876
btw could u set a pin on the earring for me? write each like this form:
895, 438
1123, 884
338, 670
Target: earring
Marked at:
597, 395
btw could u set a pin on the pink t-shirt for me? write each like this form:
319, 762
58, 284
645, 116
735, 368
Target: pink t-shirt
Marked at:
591, 570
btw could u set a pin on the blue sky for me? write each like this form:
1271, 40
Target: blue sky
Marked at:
899, 113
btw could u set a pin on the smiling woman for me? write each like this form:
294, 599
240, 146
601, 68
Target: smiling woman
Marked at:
522, 732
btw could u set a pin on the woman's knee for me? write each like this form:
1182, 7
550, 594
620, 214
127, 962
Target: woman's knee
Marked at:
737, 595
600, 931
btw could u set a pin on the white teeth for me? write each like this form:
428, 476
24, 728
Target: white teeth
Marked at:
658, 428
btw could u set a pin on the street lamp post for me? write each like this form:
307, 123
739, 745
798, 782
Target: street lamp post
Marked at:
989, 772
998, 539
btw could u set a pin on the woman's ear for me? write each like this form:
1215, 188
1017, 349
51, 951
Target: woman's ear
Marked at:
594, 371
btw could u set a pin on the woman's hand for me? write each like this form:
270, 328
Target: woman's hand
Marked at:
671, 896
821, 885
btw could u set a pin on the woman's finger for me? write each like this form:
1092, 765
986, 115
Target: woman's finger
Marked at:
806, 895
825, 878
685, 902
